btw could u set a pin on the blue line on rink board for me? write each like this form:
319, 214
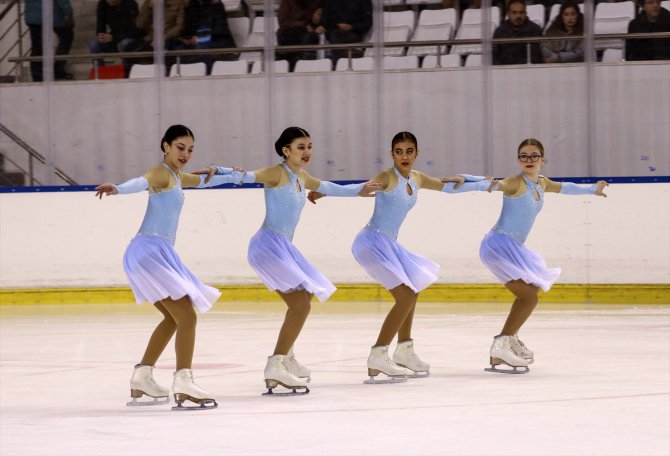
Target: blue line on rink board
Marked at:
578, 180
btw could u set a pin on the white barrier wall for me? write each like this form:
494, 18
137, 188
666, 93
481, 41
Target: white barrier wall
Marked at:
75, 240
107, 131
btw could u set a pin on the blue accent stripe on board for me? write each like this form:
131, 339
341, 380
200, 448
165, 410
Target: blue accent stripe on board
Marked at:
577, 180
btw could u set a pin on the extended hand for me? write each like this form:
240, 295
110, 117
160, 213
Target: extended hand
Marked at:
370, 188
458, 179
210, 171
600, 186
312, 196
105, 189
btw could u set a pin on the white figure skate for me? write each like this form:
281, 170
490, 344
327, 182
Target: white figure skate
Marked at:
404, 356
276, 373
502, 353
296, 368
142, 383
185, 389
379, 362
521, 349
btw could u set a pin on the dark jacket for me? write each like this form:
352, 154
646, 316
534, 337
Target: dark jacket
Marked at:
62, 9
652, 48
513, 53
296, 13
119, 20
358, 13
210, 16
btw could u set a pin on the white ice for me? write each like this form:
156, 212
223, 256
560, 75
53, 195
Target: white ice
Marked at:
600, 385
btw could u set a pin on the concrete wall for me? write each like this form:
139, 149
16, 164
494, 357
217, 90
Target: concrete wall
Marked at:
75, 240
617, 124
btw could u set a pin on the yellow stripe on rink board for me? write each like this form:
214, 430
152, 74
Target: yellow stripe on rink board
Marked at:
251, 294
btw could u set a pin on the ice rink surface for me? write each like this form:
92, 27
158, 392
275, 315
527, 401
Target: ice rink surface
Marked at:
600, 384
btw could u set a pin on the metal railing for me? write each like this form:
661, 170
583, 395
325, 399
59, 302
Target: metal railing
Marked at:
21, 32
32, 156
439, 45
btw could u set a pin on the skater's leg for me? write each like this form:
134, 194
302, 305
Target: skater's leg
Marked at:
299, 306
405, 332
405, 300
160, 337
183, 313
524, 304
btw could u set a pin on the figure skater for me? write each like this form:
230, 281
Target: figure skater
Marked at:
277, 261
400, 271
157, 274
502, 250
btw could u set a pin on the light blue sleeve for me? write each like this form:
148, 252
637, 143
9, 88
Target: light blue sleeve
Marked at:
471, 178
568, 188
332, 189
479, 186
138, 184
234, 177
221, 170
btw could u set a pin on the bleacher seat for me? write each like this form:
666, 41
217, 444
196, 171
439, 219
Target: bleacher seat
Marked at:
140, 71
232, 6
398, 26
404, 62
280, 66
536, 14
446, 61
225, 68
473, 60
471, 28
313, 66
613, 55
423, 2
612, 18
188, 69
665, 4
433, 25
240, 27
257, 37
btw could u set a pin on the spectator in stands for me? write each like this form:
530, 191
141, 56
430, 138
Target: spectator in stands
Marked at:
298, 20
651, 19
517, 25
569, 22
346, 21
63, 27
206, 27
173, 24
115, 27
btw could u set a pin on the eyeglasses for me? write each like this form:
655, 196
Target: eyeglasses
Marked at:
529, 158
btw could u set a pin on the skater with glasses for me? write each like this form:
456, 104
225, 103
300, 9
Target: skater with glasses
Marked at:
278, 262
400, 271
524, 272
157, 274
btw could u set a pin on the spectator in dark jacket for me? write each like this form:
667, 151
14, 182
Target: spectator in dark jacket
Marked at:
63, 27
206, 27
568, 23
298, 20
345, 21
517, 25
651, 19
115, 26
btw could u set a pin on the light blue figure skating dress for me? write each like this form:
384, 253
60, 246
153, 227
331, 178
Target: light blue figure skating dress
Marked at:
377, 250
271, 252
503, 251
154, 269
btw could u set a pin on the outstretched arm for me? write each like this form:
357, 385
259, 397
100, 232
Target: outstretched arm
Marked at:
327, 188
569, 188
157, 178
269, 176
201, 181
459, 184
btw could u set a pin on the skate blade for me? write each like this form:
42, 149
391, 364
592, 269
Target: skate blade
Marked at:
419, 374
513, 370
390, 379
156, 401
294, 391
201, 404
